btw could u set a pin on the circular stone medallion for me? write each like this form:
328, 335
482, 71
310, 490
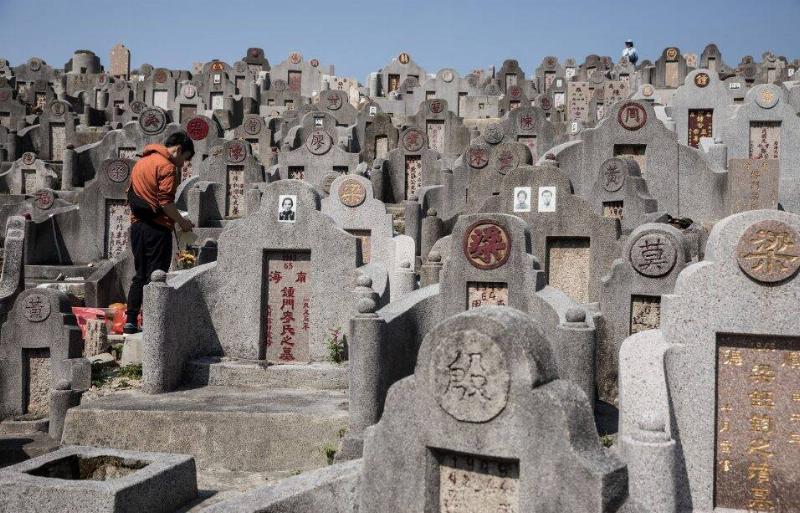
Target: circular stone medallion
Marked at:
766, 98
136, 107
768, 252
632, 116
672, 53
413, 140
478, 157
550, 62
505, 161
5, 95
57, 108
197, 128
295, 57
117, 171
486, 245
470, 376
614, 171
44, 199
352, 193
252, 126
404, 58
315, 63
217, 66
152, 121
647, 91
447, 76
701, 79
35, 64
36, 307
319, 142
493, 133
160, 76
28, 158
515, 92
334, 101
235, 152
188, 91
653, 255
545, 103
436, 106
279, 85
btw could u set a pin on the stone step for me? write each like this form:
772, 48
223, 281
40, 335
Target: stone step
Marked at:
253, 429
222, 371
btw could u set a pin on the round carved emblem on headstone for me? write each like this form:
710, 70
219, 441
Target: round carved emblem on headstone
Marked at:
436, 106
597, 77
447, 75
486, 244
505, 161
632, 116
404, 58
315, 63
413, 140
295, 57
152, 121
117, 170
478, 157
35, 64
550, 62
766, 98
252, 126
36, 307
216, 151
653, 255
333, 101
492, 89
515, 92
28, 158
545, 103
240, 66
672, 53
470, 376
352, 193
768, 251
472, 80
217, 66
119, 85
137, 107
235, 152
189, 91
647, 91
57, 108
197, 128
493, 133
701, 79
749, 71
279, 85
44, 199
319, 142
614, 171
160, 76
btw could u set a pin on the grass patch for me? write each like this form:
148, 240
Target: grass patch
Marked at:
607, 441
336, 344
329, 450
132, 371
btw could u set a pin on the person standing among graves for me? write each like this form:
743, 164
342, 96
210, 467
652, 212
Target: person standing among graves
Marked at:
630, 52
151, 197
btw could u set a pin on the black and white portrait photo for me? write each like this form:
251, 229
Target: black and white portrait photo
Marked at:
287, 208
522, 199
547, 199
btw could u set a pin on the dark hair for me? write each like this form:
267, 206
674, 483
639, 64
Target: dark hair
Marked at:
182, 140
287, 199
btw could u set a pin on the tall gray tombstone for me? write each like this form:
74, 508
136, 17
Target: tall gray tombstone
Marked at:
482, 426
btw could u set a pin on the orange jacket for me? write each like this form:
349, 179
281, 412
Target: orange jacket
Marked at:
154, 179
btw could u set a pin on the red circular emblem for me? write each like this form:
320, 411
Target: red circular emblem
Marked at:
515, 91
437, 106
315, 62
197, 128
632, 116
44, 199
478, 157
160, 76
486, 244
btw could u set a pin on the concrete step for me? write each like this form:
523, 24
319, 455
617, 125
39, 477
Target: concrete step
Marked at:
253, 429
222, 371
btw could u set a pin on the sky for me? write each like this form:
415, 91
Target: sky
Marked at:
361, 36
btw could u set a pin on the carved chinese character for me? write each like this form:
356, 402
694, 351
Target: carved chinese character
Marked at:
486, 245
767, 251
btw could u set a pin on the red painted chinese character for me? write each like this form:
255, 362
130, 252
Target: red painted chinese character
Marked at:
275, 276
486, 244
301, 277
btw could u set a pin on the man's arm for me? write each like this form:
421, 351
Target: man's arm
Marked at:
166, 189
172, 212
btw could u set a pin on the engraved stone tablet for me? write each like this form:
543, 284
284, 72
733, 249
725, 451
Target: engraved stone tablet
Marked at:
758, 423
413, 174
470, 376
435, 135
568, 261
701, 79
366, 244
653, 255
38, 372
352, 193
486, 245
319, 142
118, 222
36, 307
413, 140
632, 116
486, 293
614, 172
767, 251
234, 194
287, 314
472, 484
753, 184
645, 313
117, 171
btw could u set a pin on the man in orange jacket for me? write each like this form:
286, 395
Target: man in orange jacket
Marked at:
151, 197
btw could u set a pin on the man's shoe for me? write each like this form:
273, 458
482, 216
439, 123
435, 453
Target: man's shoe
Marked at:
130, 329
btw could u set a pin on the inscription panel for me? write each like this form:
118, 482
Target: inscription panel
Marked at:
613, 209
365, 236
217, 101
765, 140
700, 125
287, 310
481, 293
645, 313
188, 112
753, 184
295, 80
671, 75
413, 174
381, 147
476, 484
568, 266
29, 184
58, 141
161, 99
118, 222
758, 423
436, 135
37, 379
234, 197
127, 153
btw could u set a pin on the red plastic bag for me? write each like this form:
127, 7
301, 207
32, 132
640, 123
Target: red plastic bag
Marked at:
82, 314
118, 317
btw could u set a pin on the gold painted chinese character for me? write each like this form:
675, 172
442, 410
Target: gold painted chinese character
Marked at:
732, 357
795, 417
762, 373
725, 426
760, 500
759, 446
792, 360
725, 465
725, 446
761, 398
796, 396
760, 472
726, 408
794, 438
761, 423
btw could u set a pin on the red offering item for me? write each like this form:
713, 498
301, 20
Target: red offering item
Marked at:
118, 317
82, 314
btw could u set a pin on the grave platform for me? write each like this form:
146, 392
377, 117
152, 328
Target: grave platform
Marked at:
236, 428
221, 371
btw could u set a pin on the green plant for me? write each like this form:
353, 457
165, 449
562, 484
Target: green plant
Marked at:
132, 371
607, 440
295, 472
336, 344
330, 451
341, 432
101, 375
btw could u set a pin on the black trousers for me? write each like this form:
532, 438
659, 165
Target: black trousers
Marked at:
152, 250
